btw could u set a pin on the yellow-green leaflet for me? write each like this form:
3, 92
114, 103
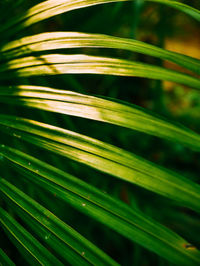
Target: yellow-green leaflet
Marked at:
60, 40
51, 8
56, 64
96, 108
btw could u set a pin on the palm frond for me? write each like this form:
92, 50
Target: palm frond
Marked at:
99, 109
50, 8
42, 237
104, 157
56, 64
111, 212
62, 40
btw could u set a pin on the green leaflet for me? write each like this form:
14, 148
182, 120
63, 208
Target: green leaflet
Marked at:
30, 248
4, 259
113, 213
104, 157
51, 8
76, 104
60, 40
58, 235
55, 64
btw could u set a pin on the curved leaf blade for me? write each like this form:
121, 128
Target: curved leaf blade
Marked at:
96, 108
106, 158
30, 248
62, 40
4, 259
75, 248
56, 64
113, 213
50, 8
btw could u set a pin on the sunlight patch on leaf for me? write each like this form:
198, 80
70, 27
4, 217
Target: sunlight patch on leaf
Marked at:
50, 8
63, 40
55, 64
71, 103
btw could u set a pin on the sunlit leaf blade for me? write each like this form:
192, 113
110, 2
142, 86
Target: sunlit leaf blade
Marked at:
113, 213
75, 248
55, 64
106, 158
30, 248
76, 104
51, 8
4, 259
61, 40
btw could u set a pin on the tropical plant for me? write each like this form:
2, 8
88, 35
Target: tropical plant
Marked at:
52, 172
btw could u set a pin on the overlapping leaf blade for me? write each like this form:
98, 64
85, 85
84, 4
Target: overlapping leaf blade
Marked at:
51, 8
104, 157
113, 213
75, 248
61, 40
4, 259
30, 248
56, 64
91, 152
96, 108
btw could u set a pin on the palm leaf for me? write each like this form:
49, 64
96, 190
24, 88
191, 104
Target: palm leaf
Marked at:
30, 248
4, 259
104, 157
50, 8
57, 64
113, 213
96, 108
61, 40
47, 230
74, 247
